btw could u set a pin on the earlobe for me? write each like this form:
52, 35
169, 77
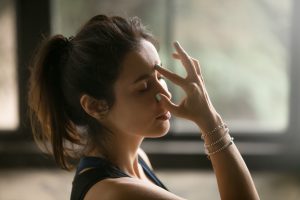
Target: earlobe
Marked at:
94, 107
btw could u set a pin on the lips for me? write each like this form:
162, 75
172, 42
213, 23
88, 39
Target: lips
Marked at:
164, 116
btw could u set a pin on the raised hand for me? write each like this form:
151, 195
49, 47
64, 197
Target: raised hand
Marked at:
196, 106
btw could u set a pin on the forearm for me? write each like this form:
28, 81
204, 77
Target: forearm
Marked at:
233, 177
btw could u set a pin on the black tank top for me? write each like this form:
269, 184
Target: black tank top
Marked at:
102, 169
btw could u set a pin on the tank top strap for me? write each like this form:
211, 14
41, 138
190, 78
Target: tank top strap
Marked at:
150, 174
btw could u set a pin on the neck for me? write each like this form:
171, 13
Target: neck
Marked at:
122, 151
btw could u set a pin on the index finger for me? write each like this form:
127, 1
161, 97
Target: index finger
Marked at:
171, 76
186, 60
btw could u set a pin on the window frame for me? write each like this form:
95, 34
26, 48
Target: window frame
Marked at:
18, 146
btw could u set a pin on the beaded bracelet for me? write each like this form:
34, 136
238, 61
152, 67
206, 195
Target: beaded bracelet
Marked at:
214, 130
220, 149
217, 141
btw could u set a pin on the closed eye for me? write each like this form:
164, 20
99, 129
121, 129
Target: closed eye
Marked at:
147, 85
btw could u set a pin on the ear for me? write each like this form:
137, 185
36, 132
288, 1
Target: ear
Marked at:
94, 107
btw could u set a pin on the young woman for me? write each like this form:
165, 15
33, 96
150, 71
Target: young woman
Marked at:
97, 95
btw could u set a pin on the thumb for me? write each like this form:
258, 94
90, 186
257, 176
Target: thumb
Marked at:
167, 103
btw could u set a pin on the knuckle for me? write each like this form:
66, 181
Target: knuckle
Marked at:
185, 55
193, 87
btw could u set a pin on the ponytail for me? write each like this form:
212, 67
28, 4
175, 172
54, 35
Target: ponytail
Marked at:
49, 121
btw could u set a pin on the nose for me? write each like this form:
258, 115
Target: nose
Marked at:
163, 88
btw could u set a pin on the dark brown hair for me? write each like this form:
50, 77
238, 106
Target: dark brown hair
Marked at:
65, 69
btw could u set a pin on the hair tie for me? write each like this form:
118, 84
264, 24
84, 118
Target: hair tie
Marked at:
70, 38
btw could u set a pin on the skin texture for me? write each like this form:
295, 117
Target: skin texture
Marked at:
133, 118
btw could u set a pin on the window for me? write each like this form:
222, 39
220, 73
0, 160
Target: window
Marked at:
243, 47
251, 40
9, 119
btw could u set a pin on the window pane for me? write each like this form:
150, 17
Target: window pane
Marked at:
8, 82
69, 15
243, 47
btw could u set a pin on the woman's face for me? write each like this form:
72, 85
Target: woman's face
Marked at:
136, 111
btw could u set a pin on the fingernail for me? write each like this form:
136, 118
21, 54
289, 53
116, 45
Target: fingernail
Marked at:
177, 43
158, 97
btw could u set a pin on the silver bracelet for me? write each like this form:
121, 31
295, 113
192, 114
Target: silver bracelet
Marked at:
217, 141
220, 149
214, 130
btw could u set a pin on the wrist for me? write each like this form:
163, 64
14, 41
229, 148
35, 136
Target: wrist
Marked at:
210, 123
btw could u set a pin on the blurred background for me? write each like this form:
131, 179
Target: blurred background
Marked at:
249, 53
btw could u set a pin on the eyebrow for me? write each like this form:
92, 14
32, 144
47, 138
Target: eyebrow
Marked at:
144, 76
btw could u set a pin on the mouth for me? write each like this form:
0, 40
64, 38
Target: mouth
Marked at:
165, 116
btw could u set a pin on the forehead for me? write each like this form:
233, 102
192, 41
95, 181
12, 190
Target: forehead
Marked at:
138, 62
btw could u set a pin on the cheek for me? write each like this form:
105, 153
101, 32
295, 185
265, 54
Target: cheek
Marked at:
134, 112
141, 102
141, 108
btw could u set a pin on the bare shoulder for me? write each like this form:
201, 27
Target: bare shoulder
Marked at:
128, 189
142, 153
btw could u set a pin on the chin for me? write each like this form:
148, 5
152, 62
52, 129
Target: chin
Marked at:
159, 131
